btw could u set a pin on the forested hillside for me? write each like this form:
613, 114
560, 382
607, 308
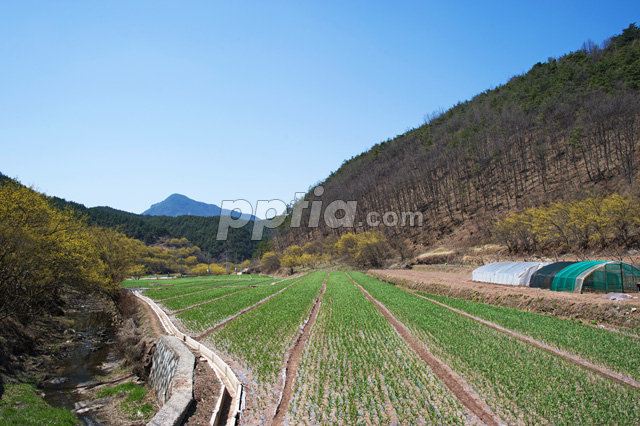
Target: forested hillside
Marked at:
566, 129
203, 231
44, 250
200, 231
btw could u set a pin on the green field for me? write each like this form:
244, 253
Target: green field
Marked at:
356, 369
203, 317
166, 292
519, 381
262, 337
189, 281
617, 351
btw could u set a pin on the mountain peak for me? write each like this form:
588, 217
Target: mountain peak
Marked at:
180, 205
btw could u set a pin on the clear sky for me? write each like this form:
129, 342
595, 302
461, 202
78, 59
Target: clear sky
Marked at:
122, 103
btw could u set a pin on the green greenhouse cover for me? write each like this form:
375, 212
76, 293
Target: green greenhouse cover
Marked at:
614, 277
544, 276
565, 280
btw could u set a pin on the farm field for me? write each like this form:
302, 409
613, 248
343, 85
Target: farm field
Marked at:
167, 292
200, 318
203, 296
521, 383
617, 351
189, 281
459, 280
259, 340
355, 368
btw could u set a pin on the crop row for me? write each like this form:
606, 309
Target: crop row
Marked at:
189, 281
185, 282
203, 317
616, 351
521, 383
188, 300
165, 292
260, 339
357, 370
172, 291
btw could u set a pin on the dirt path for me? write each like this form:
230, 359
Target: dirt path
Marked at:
154, 322
617, 377
294, 358
461, 280
458, 386
244, 311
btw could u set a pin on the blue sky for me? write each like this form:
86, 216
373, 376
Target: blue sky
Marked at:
122, 103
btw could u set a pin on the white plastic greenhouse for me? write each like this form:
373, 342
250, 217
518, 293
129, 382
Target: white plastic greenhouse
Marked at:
511, 273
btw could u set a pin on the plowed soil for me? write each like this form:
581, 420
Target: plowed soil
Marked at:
590, 308
461, 280
206, 391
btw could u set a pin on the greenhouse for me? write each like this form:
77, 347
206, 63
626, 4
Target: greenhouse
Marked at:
511, 273
590, 276
544, 276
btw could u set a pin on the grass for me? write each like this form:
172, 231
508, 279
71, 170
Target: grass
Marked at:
134, 404
21, 405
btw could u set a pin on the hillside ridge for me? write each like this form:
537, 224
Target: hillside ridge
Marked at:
566, 129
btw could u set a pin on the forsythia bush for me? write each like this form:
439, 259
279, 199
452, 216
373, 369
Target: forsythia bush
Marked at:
44, 249
204, 269
578, 225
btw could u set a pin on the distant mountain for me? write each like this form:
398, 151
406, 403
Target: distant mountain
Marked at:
179, 205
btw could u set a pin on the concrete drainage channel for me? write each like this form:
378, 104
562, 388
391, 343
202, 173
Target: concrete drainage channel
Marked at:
172, 378
232, 387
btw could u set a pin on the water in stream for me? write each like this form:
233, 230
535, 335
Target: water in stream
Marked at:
94, 333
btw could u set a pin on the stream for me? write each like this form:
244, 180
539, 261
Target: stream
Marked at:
85, 360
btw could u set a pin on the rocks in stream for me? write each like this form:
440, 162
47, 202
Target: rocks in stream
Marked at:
57, 381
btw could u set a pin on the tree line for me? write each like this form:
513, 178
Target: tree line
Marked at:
200, 231
577, 226
180, 256
367, 249
45, 250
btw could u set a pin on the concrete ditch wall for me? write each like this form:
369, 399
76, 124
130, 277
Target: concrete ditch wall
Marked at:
163, 368
229, 380
172, 378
